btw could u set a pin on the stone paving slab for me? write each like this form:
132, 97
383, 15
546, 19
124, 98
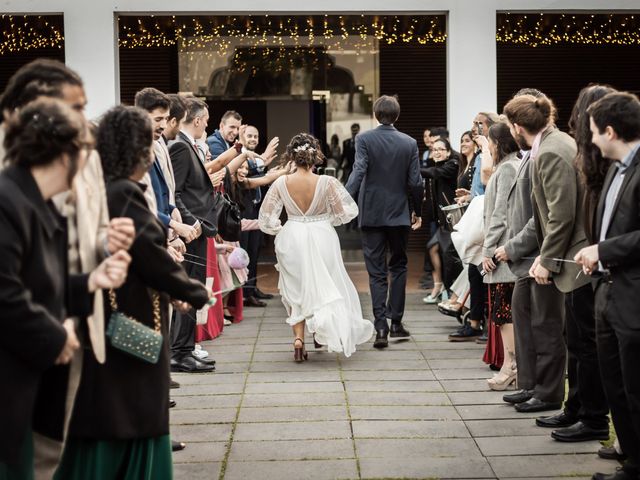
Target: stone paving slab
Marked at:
408, 449
569, 465
291, 450
409, 429
532, 445
292, 431
425, 468
275, 470
419, 409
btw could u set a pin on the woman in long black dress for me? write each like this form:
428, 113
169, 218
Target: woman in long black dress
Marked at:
45, 143
120, 424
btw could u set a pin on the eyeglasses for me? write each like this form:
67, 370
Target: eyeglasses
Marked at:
438, 149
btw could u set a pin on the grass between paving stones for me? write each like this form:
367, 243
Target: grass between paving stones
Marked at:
225, 460
346, 399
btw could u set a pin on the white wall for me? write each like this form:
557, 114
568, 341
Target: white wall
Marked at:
90, 40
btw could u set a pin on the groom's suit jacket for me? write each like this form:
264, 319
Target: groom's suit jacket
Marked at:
386, 178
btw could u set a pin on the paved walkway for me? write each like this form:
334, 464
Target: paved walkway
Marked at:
419, 409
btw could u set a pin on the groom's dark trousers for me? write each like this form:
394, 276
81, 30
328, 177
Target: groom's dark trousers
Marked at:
387, 297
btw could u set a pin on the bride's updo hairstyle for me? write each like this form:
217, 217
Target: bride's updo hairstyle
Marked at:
304, 150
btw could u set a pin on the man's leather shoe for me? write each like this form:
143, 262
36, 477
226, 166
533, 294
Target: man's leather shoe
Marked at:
190, 365
206, 361
381, 340
398, 331
253, 302
559, 420
518, 397
177, 446
173, 384
610, 453
620, 474
259, 294
172, 403
536, 405
579, 432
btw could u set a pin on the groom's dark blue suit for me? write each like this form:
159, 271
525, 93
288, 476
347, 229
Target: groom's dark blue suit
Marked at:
387, 184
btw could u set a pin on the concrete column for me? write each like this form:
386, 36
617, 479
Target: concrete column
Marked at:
471, 64
91, 49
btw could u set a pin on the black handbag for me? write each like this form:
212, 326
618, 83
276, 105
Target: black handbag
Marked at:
229, 218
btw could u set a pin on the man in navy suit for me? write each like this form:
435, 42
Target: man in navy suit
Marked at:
387, 183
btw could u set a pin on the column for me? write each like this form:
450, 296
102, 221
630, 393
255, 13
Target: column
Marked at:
471, 64
91, 49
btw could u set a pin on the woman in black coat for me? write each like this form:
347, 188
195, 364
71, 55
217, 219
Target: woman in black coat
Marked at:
120, 424
443, 179
45, 143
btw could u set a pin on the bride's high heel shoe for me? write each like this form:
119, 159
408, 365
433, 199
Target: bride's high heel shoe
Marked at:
299, 353
315, 342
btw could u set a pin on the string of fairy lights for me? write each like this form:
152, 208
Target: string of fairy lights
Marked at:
336, 32
24, 33
537, 30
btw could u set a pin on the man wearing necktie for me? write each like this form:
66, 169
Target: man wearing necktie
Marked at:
615, 264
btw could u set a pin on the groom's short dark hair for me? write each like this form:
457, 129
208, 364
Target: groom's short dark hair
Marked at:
386, 109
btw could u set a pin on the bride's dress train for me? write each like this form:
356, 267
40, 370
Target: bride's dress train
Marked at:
313, 282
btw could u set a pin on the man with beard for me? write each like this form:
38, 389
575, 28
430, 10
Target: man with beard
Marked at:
251, 240
560, 234
157, 106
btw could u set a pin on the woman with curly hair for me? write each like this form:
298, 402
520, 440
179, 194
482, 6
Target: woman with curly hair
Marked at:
120, 423
316, 290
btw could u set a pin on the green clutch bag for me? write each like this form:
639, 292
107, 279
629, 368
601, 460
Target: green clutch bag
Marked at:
132, 337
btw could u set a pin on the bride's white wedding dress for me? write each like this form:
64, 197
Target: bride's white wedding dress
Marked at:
313, 283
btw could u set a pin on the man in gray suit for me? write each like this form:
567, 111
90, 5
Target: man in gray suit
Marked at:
538, 311
387, 183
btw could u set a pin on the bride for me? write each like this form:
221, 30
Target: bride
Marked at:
314, 284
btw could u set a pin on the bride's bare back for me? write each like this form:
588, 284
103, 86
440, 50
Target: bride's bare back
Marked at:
302, 189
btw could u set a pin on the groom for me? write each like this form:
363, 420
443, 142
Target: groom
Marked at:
386, 179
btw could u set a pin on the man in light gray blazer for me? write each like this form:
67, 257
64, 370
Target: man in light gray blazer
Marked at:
387, 184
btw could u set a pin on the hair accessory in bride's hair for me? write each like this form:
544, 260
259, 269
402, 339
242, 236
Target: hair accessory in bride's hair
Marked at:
304, 148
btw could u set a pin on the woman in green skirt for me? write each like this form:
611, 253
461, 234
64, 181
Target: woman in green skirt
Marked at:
120, 423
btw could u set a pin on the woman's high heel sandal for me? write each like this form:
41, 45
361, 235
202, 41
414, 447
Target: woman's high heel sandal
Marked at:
503, 380
432, 299
299, 353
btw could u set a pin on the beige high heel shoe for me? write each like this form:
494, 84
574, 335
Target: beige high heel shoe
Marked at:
506, 376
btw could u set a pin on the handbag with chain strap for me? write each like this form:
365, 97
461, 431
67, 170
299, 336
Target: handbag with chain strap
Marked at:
132, 337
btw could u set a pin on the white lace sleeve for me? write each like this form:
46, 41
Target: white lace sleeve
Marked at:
341, 204
269, 216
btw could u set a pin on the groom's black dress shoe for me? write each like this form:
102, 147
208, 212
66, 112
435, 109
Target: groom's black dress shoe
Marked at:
398, 331
260, 295
579, 432
536, 405
559, 420
381, 340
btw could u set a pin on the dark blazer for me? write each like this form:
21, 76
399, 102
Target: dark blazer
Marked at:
33, 287
442, 178
126, 398
386, 178
620, 251
195, 196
